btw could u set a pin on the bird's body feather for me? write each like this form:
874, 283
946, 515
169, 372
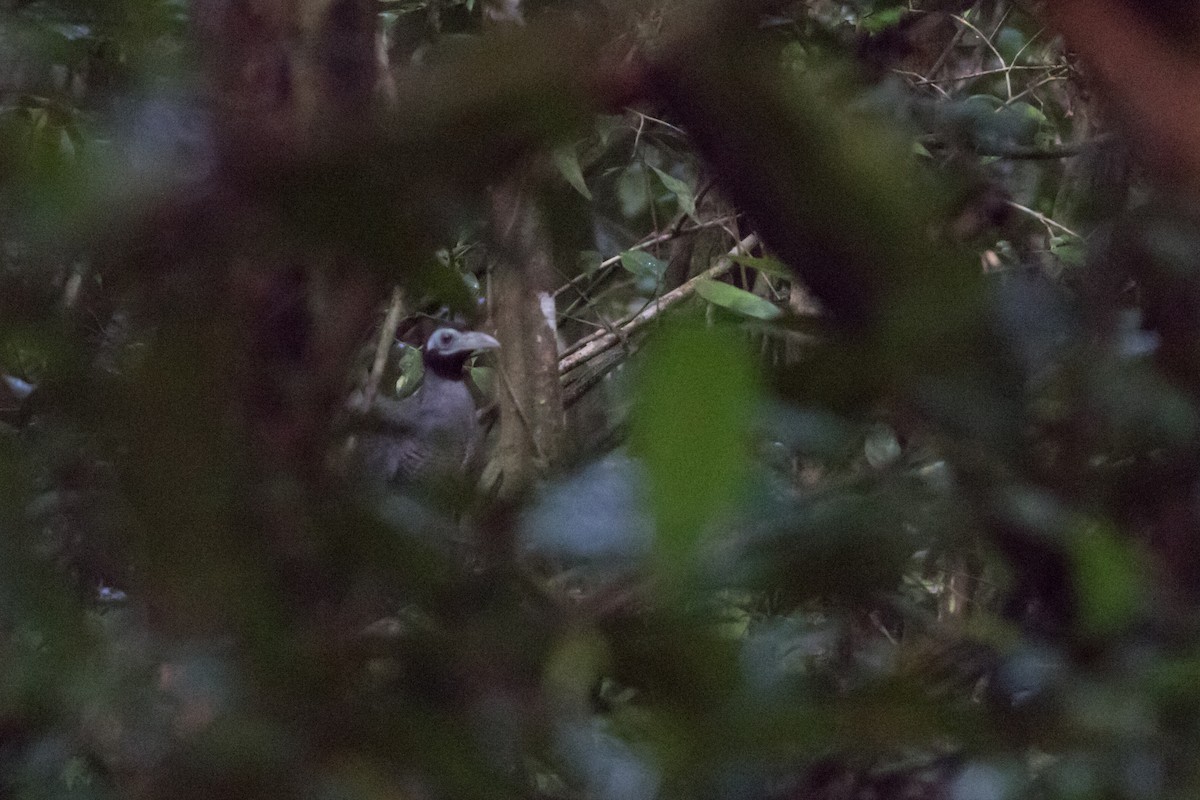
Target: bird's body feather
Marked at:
430, 439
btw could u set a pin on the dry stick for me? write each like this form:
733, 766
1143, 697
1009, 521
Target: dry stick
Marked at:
1031, 89
577, 384
662, 237
1028, 43
941, 59
675, 231
922, 80
1042, 218
387, 335
607, 341
987, 41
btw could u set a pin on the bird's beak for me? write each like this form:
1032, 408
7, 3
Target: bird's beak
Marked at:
474, 341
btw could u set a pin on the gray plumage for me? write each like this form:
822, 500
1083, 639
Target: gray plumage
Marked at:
430, 439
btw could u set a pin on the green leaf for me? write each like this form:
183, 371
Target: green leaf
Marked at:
643, 265
1011, 42
737, 300
471, 280
690, 425
410, 369
632, 191
1108, 578
1069, 250
567, 161
574, 667
1028, 120
683, 193
771, 266
484, 378
882, 20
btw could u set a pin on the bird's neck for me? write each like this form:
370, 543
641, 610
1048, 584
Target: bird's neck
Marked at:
443, 375
445, 369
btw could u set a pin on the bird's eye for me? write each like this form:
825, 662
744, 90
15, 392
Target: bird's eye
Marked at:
447, 337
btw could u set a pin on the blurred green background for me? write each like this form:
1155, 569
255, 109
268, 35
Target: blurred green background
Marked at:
844, 440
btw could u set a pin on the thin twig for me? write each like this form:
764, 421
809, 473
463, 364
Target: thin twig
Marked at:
1026, 46
1033, 88
387, 335
603, 342
587, 300
1042, 218
983, 73
637, 139
649, 241
992, 47
945, 55
922, 81
664, 123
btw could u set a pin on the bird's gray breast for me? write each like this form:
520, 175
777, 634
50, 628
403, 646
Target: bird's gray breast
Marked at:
430, 437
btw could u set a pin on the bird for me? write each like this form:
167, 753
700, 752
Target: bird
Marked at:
430, 440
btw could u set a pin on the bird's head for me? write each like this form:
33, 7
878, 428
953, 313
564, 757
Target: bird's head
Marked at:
447, 350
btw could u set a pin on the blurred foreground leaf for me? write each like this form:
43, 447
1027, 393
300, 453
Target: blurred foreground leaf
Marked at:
690, 425
1108, 578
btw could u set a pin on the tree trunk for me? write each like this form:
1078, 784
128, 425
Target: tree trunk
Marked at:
285, 74
292, 84
523, 312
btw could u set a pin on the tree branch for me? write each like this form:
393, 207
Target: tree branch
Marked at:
674, 232
387, 335
601, 342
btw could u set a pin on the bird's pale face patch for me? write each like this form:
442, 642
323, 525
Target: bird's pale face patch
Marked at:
447, 342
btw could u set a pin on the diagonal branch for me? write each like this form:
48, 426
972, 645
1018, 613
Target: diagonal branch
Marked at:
606, 341
387, 336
